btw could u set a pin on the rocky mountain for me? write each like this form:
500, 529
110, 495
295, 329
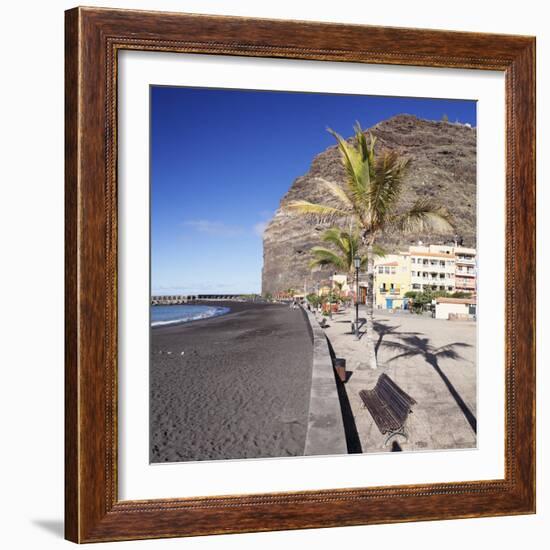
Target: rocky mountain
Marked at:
443, 167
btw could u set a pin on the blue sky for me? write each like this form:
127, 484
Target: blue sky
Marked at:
221, 160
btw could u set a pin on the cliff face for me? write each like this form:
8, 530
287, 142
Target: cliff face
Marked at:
443, 168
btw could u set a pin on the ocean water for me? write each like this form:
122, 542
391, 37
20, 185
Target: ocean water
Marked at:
171, 315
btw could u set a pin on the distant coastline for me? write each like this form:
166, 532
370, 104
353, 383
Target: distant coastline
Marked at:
163, 315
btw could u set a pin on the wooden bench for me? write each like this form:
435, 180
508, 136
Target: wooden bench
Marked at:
389, 406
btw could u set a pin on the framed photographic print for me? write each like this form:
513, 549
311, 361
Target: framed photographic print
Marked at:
300, 275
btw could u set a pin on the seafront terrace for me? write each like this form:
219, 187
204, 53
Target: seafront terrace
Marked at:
434, 361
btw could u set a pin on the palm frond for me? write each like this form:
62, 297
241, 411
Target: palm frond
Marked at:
320, 211
346, 244
352, 161
378, 251
370, 153
361, 141
424, 216
366, 153
346, 241
350, 156
338, 237
357, 170
324, 257
386, 186
337, 192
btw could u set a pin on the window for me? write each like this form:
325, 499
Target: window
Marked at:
386, 269
392, 270
380, 269
413, 260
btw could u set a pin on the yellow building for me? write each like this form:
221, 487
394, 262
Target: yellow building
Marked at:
392, 279
430, 267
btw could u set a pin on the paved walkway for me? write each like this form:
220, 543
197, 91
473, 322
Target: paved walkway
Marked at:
434, 361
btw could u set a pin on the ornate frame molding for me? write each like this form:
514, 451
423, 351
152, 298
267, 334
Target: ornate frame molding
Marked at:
93, 38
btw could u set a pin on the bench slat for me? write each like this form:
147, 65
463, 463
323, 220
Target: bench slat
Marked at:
388, 404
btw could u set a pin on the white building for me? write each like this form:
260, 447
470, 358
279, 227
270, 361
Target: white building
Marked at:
457, 308
432, 267
465, 276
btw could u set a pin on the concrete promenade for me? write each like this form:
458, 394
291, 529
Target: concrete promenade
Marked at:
325, 431
434, 361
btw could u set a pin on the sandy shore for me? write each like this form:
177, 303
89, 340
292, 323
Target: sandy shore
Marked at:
234, 386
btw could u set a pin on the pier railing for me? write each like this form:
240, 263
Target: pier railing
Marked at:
162, 300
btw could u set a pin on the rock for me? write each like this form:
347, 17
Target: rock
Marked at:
443, 168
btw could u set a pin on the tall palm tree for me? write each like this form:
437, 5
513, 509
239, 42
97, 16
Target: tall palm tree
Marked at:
368, 201
346, 245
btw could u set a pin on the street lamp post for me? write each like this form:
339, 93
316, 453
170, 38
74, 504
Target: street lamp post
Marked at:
357, 263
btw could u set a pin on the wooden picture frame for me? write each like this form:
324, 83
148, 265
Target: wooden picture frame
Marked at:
94, 37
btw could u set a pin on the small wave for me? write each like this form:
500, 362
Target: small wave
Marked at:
207, 314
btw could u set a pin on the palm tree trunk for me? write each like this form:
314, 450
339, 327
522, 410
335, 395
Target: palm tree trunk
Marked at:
369, 334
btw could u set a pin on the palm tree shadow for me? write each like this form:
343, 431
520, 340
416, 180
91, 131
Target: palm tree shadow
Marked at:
415, 345
383, 330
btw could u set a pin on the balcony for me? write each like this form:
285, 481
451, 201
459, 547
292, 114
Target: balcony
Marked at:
429, 278
390, 291
465, 284
466, 261
465, 273
431, 267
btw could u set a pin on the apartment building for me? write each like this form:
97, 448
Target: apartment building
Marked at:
424, 267
432, 267
465, 274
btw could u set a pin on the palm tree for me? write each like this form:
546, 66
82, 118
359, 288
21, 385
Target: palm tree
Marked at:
347, 245
368, 201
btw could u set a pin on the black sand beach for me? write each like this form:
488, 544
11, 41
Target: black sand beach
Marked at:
234, 386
